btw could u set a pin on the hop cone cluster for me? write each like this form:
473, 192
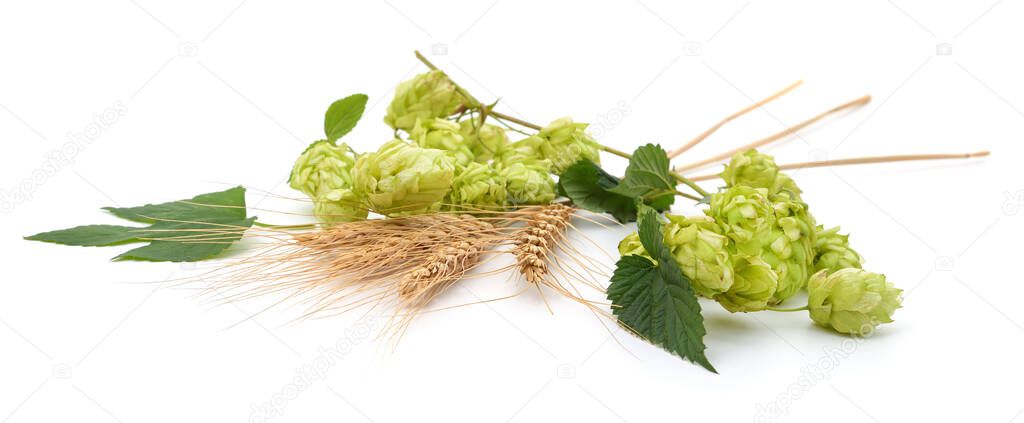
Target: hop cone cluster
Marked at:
453, 163
757, 244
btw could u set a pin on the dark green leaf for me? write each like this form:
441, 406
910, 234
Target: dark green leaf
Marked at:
87, 236
587, 186
648, 172
186, 230
343, 115
656, 301
229, 204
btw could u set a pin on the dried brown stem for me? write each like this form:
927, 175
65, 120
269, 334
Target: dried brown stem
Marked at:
788, 131
683, 148
865, 160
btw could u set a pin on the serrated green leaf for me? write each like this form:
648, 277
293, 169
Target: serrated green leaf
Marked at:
343, 115
185, 230
656, 301
648, 172
587, 185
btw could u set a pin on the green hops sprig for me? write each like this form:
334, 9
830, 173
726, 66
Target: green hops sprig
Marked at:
426, 96
401, 178
851, 301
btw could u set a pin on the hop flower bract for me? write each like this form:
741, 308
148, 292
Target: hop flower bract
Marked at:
832, 251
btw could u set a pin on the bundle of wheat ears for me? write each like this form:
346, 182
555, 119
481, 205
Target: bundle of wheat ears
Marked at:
397, 227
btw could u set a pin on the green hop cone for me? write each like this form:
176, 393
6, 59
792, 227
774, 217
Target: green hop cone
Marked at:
567, 142
442, 135
479, 186
323, 172
526, 149
745, 215
339, 205
401, 178
757, 170
425, 96
832, 251
631, 246
322, 165
851, 301
528, 181
701, 252
485, 141
789, 247
563, 143
753, 287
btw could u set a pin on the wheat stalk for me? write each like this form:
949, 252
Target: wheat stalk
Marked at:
533, 244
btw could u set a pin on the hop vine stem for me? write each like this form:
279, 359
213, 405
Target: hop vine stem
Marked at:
866, 160
787, 310
474, 103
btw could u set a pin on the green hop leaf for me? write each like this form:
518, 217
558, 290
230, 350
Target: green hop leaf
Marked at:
180, 231
656, 301
587, 185
343, 115
649, 178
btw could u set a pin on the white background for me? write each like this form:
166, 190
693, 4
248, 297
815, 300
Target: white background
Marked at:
221, 92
